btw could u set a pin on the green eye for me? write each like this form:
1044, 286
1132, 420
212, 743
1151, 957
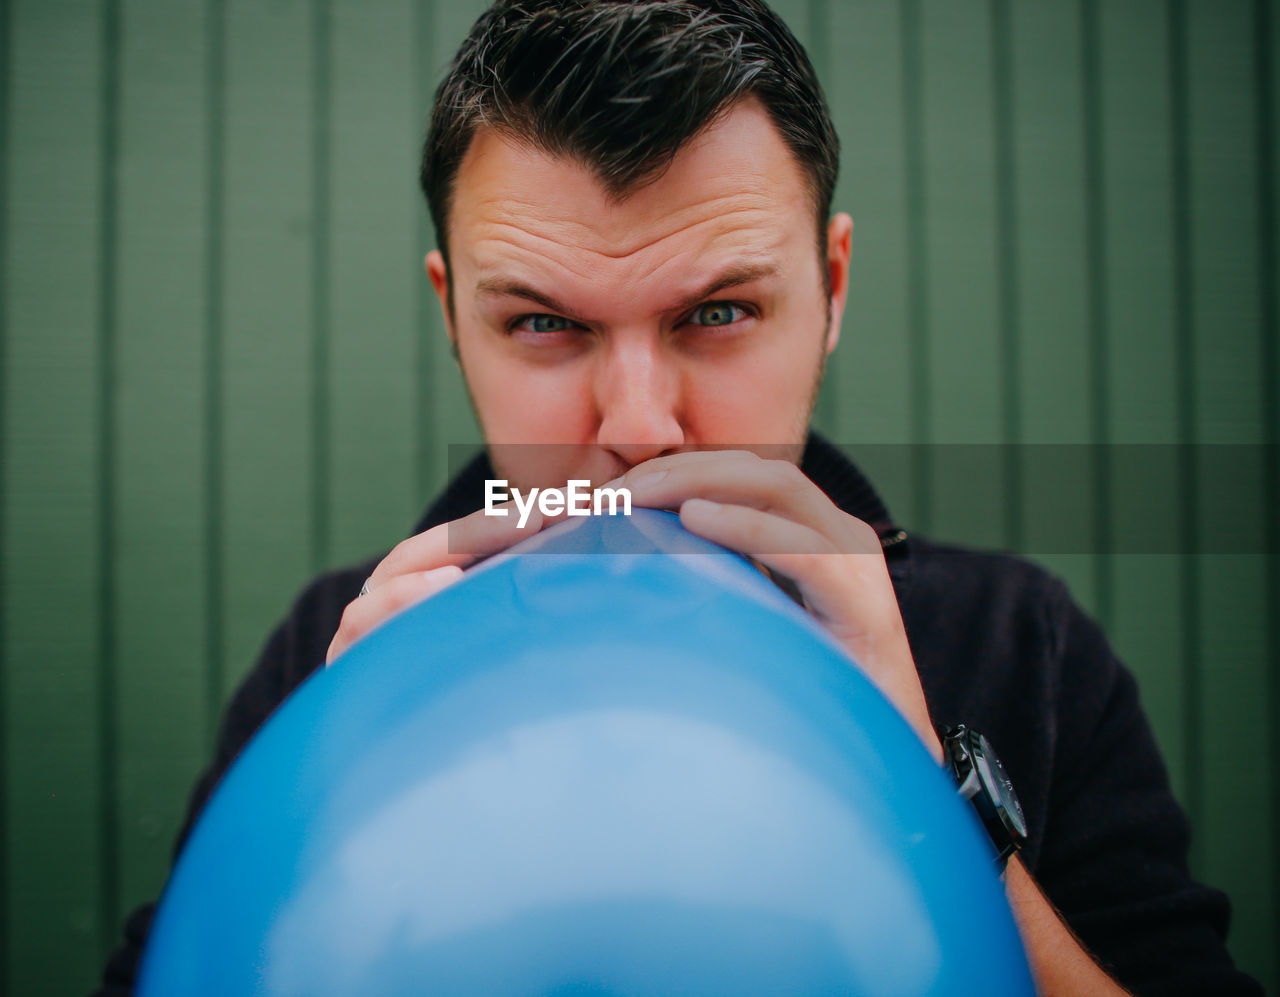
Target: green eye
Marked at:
715, 313
548, 323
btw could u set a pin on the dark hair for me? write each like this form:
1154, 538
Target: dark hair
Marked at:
622, 85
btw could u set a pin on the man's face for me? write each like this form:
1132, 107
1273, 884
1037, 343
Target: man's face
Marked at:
689, 314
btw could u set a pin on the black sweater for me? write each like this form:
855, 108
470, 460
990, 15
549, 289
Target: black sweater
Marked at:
1000, 645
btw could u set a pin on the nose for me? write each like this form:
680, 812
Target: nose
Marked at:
638, 396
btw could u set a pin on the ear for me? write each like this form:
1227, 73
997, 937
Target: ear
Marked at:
839, 251
439, 274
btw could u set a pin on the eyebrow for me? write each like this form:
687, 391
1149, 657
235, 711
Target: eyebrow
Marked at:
739, 273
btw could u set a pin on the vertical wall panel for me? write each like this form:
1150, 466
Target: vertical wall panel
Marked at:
1140, 387
1226, 407
159, 410
966, 393
1268, 45
445, 403
5, 508
267, 346
798, 16
428, 462
52, 505
1050, 215
1048, 294
373, 272
864, 82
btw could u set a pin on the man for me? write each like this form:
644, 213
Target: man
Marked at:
638, 265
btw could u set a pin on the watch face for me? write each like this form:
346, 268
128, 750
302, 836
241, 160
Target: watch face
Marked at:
1000, 788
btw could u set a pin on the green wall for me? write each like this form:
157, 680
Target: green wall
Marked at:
221, 370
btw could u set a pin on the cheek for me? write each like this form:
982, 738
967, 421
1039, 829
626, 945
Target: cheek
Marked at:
761, 397
744, 407
520, 403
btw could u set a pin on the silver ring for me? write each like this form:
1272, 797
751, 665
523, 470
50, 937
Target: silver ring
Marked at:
364, 589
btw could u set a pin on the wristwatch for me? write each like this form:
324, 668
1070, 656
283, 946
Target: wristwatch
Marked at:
984, 782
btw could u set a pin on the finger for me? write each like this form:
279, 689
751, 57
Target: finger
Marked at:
397, 594
775, 541
656, 464
851, 594
830, 581
740, 478
460, 542
700, 456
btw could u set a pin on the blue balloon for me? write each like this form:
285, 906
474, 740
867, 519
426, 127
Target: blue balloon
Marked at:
614, 760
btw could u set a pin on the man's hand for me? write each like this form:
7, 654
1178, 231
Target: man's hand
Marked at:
769, 510
427, 563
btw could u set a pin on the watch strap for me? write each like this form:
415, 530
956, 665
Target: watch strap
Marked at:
981, 779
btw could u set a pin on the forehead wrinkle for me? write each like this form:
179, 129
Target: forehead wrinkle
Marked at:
589, 237
740, 210
589, 268
597, 266
521, 239
500, 263
726, 222
755, 250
